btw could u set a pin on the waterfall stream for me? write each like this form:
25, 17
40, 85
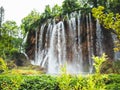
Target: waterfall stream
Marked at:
69, 43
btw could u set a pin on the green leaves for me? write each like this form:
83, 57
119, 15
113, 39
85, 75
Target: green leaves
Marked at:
110, 21
42, 82
98, 62
56, 11
28, 21
70, 5
9, 40
3, 66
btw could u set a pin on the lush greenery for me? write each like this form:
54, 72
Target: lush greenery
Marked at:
42, 82
14, 80
34, 19
3, 66
10, 82
10, 41
110, 21
45, 82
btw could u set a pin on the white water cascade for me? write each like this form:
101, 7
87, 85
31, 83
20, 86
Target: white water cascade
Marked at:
69, 43
99, 35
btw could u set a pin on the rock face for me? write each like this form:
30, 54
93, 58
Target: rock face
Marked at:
72, 42
21, 59
30, 48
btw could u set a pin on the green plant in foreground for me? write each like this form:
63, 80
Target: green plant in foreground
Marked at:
3, 66
42, 82
98, 61
10, 82
64, 79
95, 81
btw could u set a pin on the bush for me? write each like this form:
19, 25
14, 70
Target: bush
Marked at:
3, 66
47, 82
113, 82
115, 86
10, 82
42, 82
111, 67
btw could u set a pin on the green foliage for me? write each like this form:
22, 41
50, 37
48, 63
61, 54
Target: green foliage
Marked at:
3, 66
47, 82
34, 19
78, 82
56, 11
42, 82
111, 21
113, 82
10, 82
109, 67
98, 61
47, 12
90, 82
9, 40
114, 6
116, 66
70, 5
29, 20
64, 79
10, 28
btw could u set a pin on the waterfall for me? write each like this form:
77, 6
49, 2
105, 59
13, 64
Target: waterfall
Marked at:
117, 53
57, 50
91, 44
39, 55
75, 63
69, 43
99, 35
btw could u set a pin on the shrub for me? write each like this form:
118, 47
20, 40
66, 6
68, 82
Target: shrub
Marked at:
42, 82
78, 83
64, 79
47, 82
98, 61
10, 82
113, 82
3, 67
111, 67
116, 66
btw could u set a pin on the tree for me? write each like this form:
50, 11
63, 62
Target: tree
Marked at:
110, 21
10, 28
56, 11
70, 5
29, 20
9, 42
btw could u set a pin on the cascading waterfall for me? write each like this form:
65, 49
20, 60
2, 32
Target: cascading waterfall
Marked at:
117, 53
39, 51
89, 41
99, 35
57, 50
69, 43
75, 63
91, 44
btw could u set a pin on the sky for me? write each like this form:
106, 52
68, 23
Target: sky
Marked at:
18, 9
